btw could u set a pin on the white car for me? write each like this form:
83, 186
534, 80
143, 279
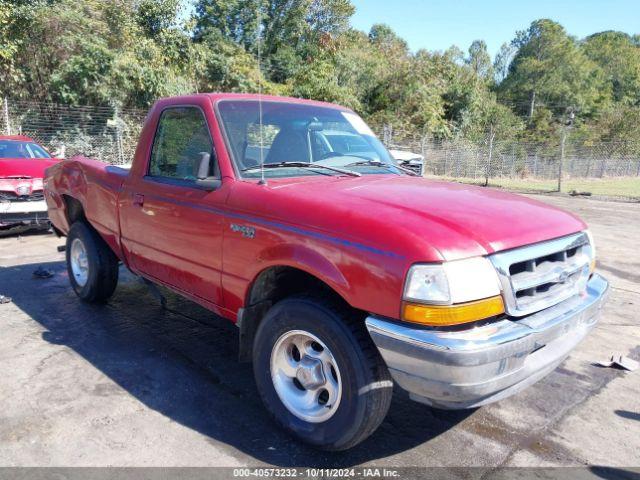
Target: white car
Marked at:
410, 160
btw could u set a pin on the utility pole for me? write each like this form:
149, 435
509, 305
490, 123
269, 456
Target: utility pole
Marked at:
565, 127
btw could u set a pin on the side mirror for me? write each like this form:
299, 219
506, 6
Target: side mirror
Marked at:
204, 181
204, 165
209, 184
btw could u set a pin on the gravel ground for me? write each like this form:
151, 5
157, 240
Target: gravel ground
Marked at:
130, 384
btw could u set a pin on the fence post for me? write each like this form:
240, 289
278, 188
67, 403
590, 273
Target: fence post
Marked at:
562, 144
386, 135
423, 152
567, 124
487, 173
118, 132
5, 109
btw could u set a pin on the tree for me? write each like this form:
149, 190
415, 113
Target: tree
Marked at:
619, 58
485, 118
318, 80
551, 70
297, 24
157, 16
479, 60
130, 52
98, 53
8, 45
503, 60
385, 39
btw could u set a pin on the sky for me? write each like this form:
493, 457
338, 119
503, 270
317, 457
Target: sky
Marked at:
438, 24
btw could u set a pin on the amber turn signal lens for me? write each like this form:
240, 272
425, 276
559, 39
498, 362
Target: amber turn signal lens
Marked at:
444, 315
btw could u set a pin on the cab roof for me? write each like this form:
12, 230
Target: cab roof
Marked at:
219, 96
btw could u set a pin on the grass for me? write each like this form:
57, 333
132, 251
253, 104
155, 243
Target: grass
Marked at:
628, 187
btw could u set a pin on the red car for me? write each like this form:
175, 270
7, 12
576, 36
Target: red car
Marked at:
343, 273
22, 166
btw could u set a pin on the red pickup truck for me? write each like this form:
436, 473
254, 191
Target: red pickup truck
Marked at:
344, 274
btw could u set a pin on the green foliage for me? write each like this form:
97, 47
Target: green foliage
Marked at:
480, 61
157, 16
619, 58
318, 80
300, 26
503, 60
130, 52
550, 69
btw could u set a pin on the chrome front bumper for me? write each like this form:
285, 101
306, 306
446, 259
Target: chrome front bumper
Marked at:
469, 368
23, 213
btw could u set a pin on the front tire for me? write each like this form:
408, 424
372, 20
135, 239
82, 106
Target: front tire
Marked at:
91, 265
319, 374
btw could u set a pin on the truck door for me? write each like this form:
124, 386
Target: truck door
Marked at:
171, 227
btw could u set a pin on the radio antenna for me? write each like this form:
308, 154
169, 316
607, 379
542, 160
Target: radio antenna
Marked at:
260, 123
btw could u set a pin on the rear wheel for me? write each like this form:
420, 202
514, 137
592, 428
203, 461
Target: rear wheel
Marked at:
91, 265
319, 374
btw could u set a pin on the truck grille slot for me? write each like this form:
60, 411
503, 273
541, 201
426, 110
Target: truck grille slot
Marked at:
542, 275
35, 196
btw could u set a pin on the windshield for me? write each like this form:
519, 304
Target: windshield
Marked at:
294, 132
14, 149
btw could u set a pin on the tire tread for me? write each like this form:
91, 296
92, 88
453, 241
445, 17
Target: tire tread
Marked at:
107, 263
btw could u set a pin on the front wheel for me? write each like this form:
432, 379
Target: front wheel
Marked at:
319, 374
91, 265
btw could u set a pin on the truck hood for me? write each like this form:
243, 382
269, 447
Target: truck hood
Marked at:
456, 220
25, 167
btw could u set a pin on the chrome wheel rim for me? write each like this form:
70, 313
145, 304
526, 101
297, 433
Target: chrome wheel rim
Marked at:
79, 262
306, 376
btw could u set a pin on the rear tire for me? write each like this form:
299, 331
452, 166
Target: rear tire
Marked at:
91, 265
303, 342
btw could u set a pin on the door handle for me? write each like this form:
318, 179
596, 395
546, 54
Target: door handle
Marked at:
138, 200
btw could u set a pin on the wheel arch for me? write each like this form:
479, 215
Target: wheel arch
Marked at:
277, 282
74, 210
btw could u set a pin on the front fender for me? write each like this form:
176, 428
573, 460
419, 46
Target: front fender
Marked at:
305, 259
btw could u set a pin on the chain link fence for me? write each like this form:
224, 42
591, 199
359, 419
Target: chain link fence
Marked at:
107, 133
610, 169
607, 169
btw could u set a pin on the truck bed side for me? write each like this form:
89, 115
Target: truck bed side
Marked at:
96, 186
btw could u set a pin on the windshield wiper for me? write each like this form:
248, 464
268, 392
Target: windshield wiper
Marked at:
378, 163
303, 165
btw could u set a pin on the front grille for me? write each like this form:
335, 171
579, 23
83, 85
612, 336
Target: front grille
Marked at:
542, 275
36, 196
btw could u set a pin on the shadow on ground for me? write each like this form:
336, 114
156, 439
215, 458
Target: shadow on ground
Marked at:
628, 414
182, 362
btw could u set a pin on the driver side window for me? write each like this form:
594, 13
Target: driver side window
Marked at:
182, 138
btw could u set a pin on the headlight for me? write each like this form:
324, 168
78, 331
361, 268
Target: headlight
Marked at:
427, 283
452, 292
452, 282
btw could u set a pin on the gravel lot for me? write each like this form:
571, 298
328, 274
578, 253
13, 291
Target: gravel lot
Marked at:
129, 384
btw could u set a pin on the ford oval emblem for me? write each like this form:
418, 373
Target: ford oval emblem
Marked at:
23, 190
